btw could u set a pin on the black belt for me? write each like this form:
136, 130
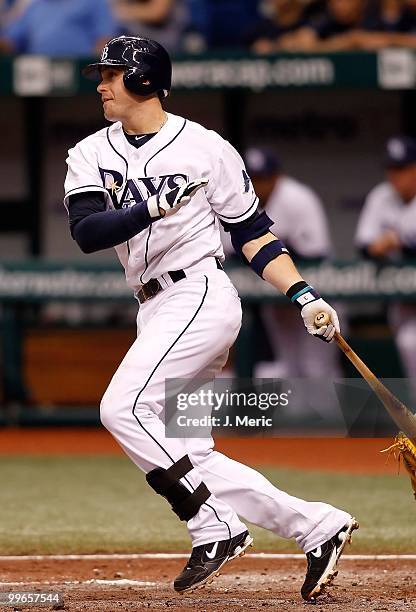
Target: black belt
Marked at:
152, 287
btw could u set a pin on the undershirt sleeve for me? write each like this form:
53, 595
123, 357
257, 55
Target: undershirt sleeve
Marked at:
94, 228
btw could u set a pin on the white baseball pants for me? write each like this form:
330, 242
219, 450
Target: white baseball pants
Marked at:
185, 331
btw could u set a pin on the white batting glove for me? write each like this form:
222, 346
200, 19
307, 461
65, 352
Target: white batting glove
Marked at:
310, 304
169, 203
309, 312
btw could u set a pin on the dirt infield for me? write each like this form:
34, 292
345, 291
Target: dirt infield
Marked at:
348, 455
250, 583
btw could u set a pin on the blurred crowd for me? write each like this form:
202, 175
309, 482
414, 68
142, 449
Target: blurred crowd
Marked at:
81, 27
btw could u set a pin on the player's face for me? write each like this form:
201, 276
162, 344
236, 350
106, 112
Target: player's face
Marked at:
118, 103
403, 181
346, 11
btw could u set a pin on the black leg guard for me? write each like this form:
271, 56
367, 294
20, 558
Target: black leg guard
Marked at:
166, 482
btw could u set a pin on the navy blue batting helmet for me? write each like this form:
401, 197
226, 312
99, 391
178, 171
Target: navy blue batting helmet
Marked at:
147, 65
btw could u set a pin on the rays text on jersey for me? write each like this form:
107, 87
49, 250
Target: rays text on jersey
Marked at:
133, 190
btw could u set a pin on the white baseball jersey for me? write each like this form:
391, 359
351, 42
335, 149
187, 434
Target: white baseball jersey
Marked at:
385, 210
299, 218
182, 150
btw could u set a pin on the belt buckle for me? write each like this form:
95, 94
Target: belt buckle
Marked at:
149, 290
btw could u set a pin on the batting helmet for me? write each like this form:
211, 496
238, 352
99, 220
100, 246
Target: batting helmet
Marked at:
147, 65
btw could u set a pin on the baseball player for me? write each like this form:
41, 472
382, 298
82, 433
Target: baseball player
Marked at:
386, 231
155, 186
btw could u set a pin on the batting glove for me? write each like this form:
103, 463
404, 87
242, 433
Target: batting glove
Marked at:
310, 304
169, 203
309, 312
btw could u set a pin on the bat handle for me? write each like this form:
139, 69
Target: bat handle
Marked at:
321, 319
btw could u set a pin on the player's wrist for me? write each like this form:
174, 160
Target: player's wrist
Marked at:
153, 207
300, 294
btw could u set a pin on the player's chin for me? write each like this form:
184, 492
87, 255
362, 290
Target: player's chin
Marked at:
110, 113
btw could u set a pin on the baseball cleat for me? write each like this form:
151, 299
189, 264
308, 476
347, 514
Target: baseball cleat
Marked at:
206, 561
322, 562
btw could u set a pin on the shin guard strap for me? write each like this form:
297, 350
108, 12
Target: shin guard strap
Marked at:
180, 469
166, 482
190, 506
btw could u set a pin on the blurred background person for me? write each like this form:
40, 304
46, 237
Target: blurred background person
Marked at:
386, 232
60, 28
392, 16
393, 24
335, 30
301, 223
356, 24
163, 20
10, 10
280, 17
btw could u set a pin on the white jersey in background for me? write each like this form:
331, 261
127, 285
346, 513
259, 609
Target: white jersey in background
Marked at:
299, 218
181, 151
300, 221
385, 210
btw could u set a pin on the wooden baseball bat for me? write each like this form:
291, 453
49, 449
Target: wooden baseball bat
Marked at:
400, 414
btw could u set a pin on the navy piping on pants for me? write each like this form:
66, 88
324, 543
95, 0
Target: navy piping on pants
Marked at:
147, 382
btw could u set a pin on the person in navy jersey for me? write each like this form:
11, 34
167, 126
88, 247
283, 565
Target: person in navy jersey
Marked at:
332, 30
283, 17
356, 25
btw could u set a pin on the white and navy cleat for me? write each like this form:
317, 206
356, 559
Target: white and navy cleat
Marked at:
322, 562
206, 561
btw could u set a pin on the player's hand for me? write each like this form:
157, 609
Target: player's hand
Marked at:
170, 202
309, 312
386, 243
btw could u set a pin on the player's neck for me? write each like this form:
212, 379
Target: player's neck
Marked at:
147, 119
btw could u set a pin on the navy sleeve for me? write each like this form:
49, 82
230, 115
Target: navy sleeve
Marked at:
94, 228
